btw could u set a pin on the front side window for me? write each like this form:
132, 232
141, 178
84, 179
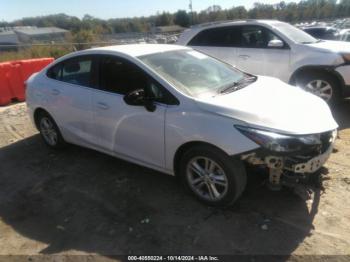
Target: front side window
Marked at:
192, 72
117, 75
257, 37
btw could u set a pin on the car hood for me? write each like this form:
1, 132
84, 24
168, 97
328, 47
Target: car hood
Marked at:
334, 46
272, 104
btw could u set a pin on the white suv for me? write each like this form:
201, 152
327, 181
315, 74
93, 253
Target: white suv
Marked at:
274, 48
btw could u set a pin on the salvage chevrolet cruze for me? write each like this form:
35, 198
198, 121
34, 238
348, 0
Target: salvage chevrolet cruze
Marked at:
183, 113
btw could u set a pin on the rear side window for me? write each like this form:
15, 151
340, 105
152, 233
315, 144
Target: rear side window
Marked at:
55, 72
222, 37
76, 71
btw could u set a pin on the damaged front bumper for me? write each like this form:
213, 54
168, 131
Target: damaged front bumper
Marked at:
291, 165
311, 165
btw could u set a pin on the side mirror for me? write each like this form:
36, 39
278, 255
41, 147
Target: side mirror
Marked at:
275, 44
138, 98
135, 98
149, 105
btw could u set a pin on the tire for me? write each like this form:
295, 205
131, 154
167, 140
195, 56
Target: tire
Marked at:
224, 170
49, 131
312, 82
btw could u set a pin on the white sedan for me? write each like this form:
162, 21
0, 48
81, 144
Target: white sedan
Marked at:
183, 113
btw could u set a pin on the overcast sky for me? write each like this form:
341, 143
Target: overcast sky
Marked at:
16, 9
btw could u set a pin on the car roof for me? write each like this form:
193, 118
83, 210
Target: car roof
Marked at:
234, 22
136, 50
188, 34
318, 27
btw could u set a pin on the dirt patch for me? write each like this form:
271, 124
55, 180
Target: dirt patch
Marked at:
79, 201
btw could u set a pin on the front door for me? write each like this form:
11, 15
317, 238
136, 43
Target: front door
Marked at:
256, 57
127, 130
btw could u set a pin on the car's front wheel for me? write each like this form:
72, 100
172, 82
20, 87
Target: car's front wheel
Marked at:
49, 131
212, 176
322, 85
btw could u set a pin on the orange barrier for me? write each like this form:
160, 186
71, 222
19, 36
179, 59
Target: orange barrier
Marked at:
16, 82
31, 66
5, 90
13, 76
38, 65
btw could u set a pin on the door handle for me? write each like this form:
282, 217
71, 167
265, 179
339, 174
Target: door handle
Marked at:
245, 57
55, 92
102, 106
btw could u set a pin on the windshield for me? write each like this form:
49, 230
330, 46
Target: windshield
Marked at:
192, 72
295, 34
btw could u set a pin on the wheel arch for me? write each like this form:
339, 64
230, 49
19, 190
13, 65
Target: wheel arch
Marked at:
330, 70
186, 146
36, 114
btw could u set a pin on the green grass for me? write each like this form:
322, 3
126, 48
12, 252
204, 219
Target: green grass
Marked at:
35, 52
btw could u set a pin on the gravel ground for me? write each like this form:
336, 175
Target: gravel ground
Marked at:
79, 201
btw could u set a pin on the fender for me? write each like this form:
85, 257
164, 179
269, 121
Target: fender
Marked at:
325, 68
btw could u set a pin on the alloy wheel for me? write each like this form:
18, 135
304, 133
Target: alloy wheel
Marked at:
320, 88
207, 178
48, 131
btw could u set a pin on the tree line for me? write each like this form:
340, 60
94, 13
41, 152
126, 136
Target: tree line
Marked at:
89, 26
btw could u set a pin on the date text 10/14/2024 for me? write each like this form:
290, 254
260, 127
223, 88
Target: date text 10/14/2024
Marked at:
173, 258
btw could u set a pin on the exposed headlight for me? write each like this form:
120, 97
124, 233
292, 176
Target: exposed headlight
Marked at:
346, 57
279, 142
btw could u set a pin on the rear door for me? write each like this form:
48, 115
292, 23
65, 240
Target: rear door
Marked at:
69, 98
219, 42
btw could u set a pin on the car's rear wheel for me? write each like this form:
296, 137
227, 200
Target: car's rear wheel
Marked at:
212, 176
49, 131
322, 85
